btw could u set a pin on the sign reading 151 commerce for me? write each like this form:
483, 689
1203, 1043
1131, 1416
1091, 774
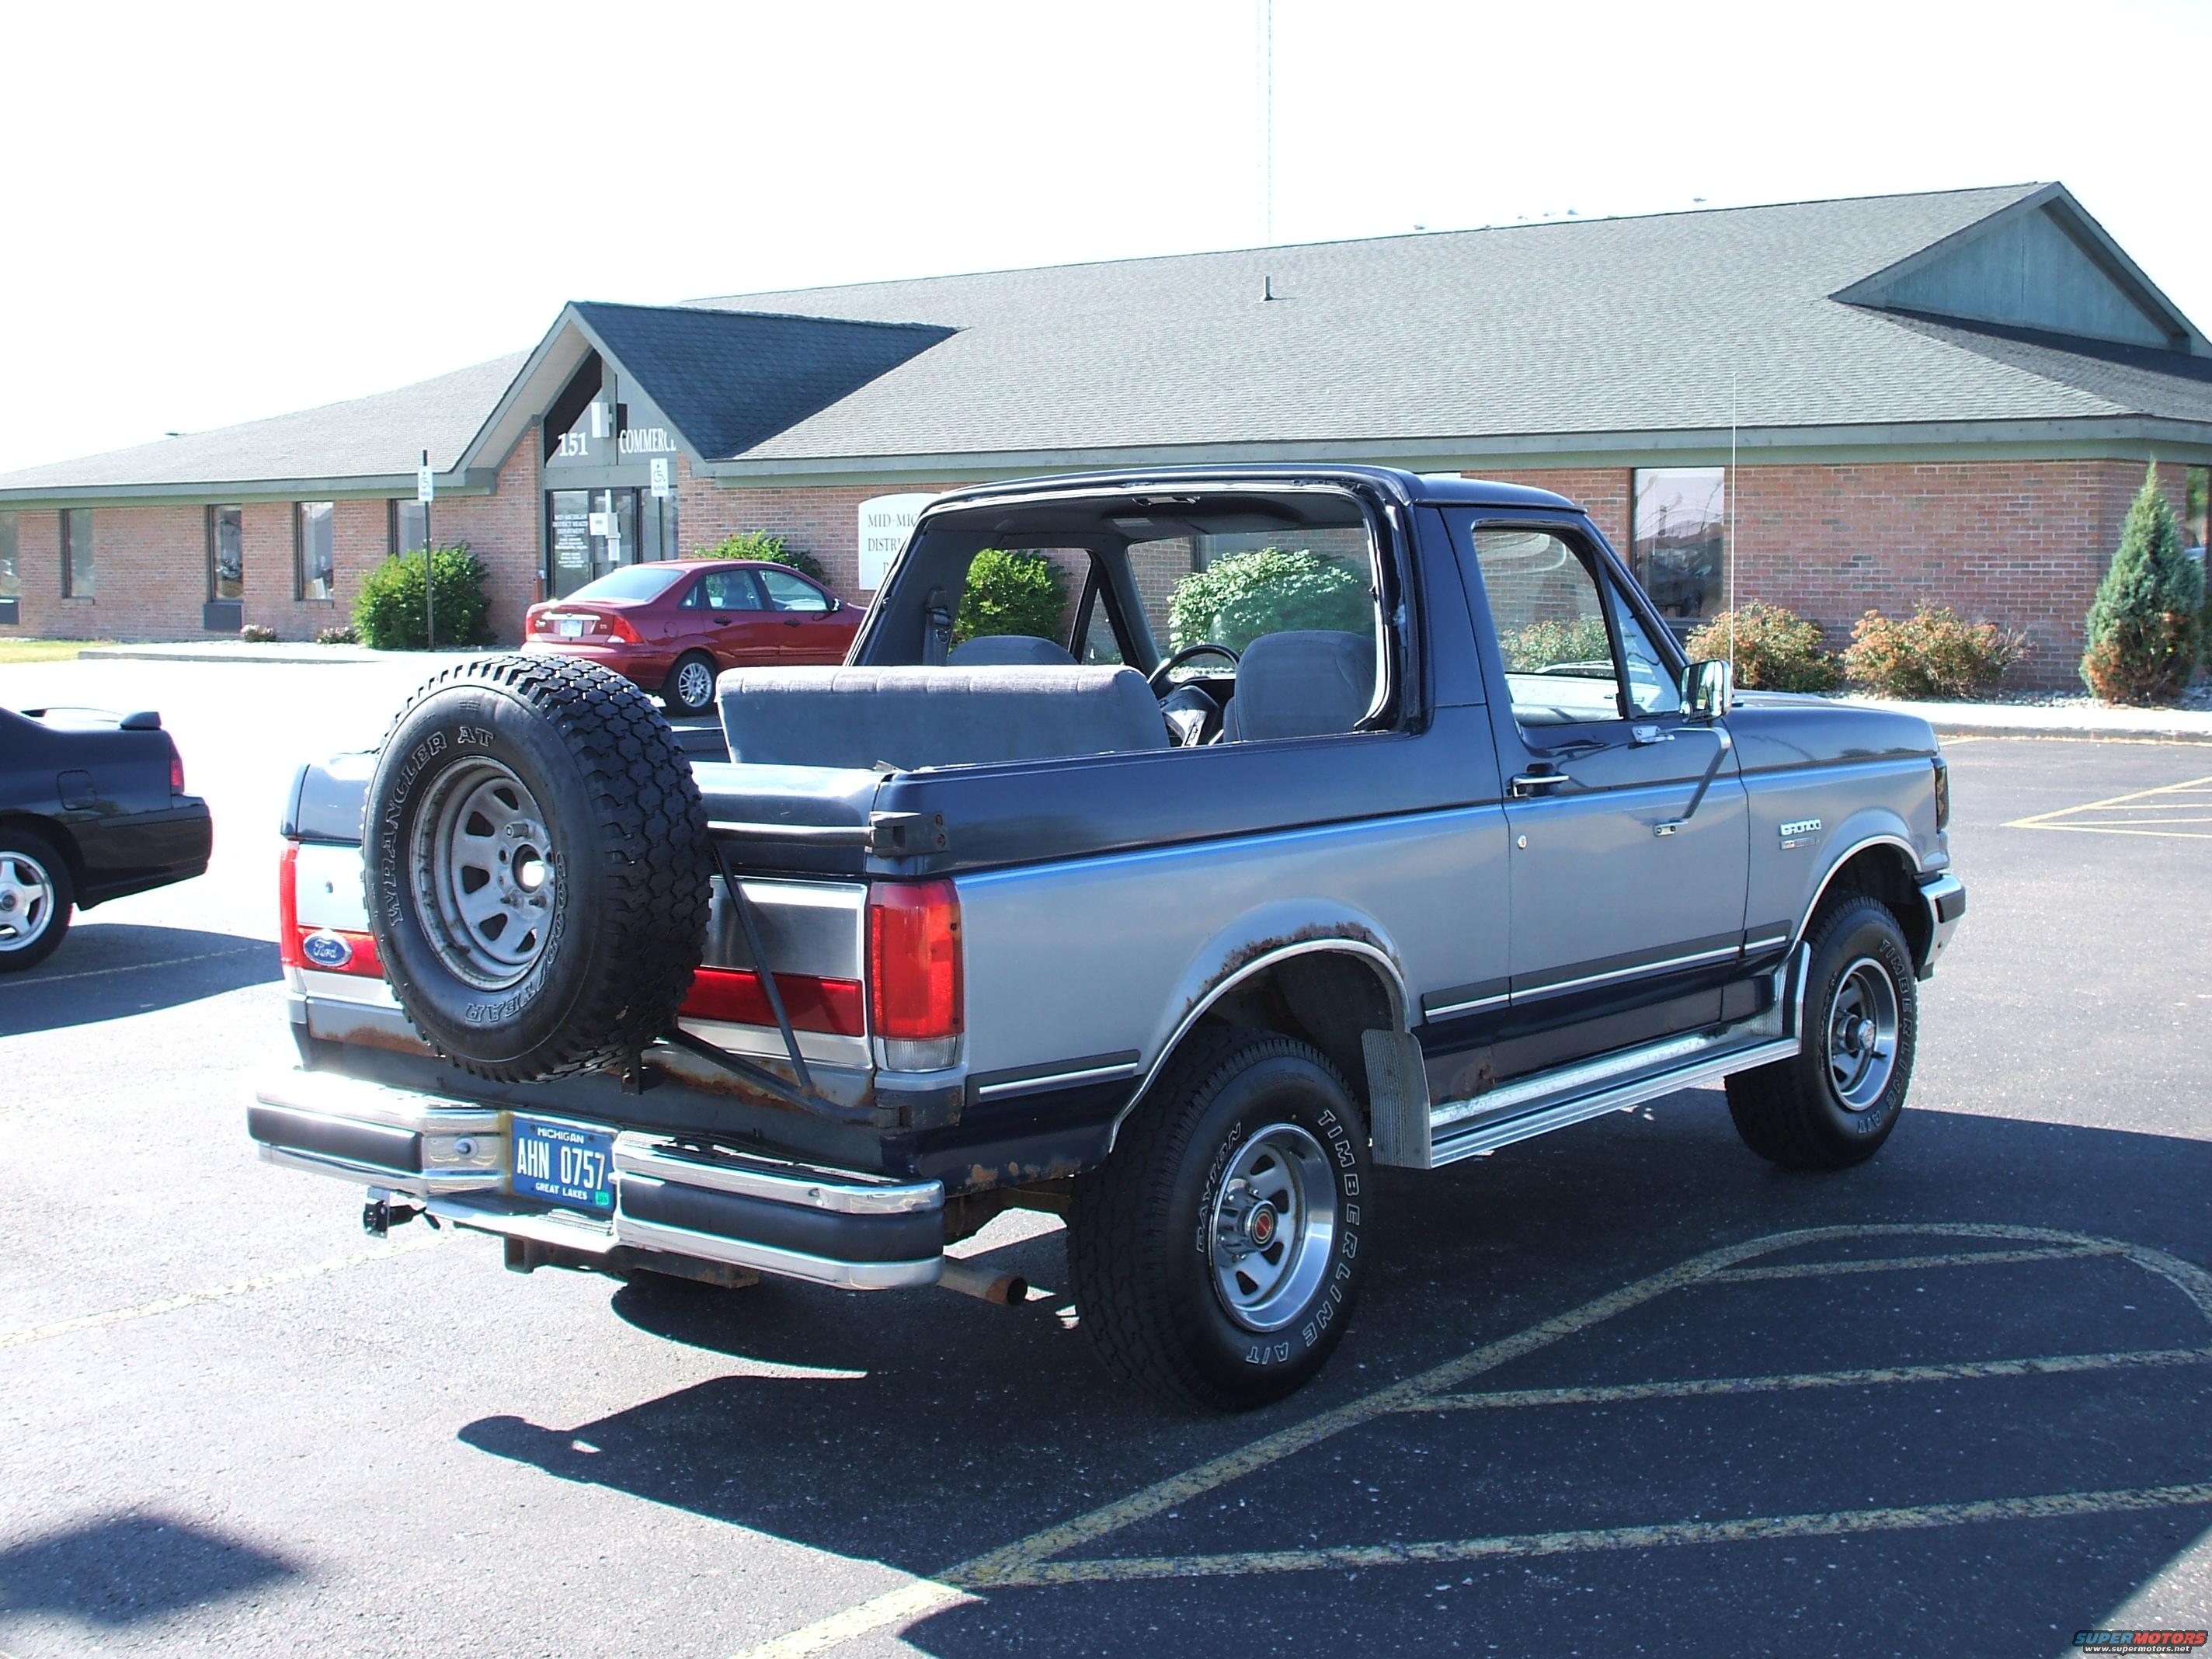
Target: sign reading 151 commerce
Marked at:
885, 524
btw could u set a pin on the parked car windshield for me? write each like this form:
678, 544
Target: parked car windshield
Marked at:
632, 581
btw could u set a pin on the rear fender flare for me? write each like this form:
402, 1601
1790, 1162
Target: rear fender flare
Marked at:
1255, 945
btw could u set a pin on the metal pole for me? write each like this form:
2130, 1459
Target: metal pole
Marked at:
429, 586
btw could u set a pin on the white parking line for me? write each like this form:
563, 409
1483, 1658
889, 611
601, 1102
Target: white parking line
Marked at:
1606, 1394
219, 1293
1030, 1561
34, 983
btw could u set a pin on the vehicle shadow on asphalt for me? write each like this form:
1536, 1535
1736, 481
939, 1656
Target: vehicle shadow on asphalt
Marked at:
105, 970
128, 1568
945, 1429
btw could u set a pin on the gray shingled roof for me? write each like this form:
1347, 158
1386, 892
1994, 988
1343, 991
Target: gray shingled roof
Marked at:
1584, 327
377, 436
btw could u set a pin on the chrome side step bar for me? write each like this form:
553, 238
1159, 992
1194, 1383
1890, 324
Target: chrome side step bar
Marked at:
1536, 1105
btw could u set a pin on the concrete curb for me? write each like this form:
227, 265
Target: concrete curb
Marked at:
2101, 734
2082, 724
275, 655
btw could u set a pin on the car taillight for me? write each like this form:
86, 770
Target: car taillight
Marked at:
288, 908
814, 1004
914, 973
1942, 793
176, 770
621, 630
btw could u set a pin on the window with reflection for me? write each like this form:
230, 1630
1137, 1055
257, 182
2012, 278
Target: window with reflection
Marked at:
314, 550
1677, 535
225, 531
76, 553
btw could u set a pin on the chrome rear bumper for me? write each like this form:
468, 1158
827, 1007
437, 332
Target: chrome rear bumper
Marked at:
831, 1227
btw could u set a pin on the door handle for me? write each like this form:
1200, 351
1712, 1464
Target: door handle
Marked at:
1526, 784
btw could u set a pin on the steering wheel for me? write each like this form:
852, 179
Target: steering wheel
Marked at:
1157, 678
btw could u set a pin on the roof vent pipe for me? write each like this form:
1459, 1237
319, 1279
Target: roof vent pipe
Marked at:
1268, 288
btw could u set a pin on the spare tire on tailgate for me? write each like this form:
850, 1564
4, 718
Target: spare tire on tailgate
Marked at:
537, 864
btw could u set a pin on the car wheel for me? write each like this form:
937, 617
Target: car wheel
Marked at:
1215, 1256
1835, 1101
36, 894
691, 687
536, 867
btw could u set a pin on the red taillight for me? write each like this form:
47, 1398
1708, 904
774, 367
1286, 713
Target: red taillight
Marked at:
623, 631
176, 770
736, 995
287, 906
914, 960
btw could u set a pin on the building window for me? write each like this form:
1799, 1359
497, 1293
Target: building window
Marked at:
411, 527
76, 553
314, 572
226, 552
1678, 537
2199, 515
10, 584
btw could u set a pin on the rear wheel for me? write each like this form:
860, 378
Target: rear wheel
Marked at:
1834, 1102
690, 686
1215, 1256
36, 893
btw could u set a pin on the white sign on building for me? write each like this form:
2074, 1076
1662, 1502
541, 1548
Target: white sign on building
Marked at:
885, 523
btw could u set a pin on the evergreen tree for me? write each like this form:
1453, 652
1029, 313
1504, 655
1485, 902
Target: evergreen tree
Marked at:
2146, 621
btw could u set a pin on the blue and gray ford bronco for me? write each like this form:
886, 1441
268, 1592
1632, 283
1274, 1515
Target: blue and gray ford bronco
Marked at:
1357, 819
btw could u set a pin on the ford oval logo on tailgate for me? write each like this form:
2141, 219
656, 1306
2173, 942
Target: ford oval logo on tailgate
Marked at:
327, 949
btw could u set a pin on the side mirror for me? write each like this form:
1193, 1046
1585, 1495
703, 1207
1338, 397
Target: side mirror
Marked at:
1707, 688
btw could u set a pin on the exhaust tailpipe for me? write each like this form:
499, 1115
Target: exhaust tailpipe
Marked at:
1008, 1290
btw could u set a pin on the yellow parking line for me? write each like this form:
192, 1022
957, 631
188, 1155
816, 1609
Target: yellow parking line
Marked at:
2055, 1365
1891, 1264
2139, 799
219, 1293
2050, 1506
1028, 1561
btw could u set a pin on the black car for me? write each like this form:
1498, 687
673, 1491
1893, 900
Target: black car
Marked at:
92, 806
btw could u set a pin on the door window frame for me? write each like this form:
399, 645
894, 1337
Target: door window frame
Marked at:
1616, 588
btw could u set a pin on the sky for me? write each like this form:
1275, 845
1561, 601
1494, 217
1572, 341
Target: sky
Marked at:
218, 212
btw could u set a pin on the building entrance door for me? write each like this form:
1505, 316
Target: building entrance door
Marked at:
592, 532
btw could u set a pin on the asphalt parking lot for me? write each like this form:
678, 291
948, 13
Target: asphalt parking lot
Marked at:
1625, 1389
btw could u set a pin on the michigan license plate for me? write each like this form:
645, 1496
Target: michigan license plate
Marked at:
561, 1163
571, 628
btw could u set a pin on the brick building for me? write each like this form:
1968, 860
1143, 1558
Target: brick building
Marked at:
1950, 397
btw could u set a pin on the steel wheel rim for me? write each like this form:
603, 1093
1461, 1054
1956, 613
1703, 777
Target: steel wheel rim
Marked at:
695, 684
486, 882
1274, 1228
1862, 1032
26, 901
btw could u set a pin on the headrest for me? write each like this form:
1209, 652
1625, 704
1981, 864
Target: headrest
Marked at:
1010, 651
1302, 682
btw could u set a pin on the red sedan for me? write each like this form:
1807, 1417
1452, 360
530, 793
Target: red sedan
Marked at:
673, 626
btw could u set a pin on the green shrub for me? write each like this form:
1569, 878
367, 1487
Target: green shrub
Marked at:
1544, 645
1013, 593
336, 637
2147, 617
387, 613
258, 634
1934, 652
761, 544
1241, 595
1774, 648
